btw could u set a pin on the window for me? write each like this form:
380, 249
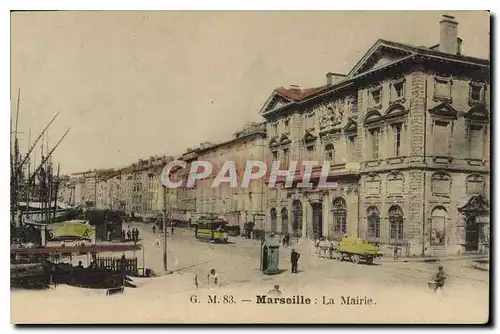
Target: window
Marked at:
340, 216
475, 141
351, 147
441, 138
329, 152
375, 97
374, 141
274, 129
396, 222
287, 126
275, 155
286, 159
309, 118
438, 224
474, 185
396, 132
397, 90
442, 88
476, 93
310, 152
373, 220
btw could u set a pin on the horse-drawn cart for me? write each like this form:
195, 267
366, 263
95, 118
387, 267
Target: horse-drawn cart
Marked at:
356, 250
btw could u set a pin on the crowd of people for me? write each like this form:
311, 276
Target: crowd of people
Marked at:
130, 235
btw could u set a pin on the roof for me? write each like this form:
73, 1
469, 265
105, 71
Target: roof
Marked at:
407, 51
298, 94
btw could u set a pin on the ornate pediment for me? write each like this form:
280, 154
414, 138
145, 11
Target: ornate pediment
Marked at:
351, 126
284, 140
309, 137
443, 110
276, 100
273, 143
332, 114
478, 113
380, 54
396, 110
373, 116
476, 203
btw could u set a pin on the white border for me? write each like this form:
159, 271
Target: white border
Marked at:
6, 6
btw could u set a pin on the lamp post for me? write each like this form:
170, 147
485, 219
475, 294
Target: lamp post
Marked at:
165, 258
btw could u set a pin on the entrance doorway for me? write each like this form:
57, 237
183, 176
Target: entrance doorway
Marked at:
274, 216
317, 219
471, 234
284, 221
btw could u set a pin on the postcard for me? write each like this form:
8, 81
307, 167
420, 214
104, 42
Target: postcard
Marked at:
201, 167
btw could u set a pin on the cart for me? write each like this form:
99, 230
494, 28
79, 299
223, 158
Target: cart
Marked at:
356, 250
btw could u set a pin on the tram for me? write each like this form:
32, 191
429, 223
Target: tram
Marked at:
211, 229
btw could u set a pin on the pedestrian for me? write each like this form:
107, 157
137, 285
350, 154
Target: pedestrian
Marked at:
275, 292
213, 279
294, 258
157, 242
123, 235
129, 235
172, 230
284, 241
109, 235
136, 234
287, 240
439, 279
154, 229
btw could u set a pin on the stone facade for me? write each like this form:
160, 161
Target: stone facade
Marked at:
407, 136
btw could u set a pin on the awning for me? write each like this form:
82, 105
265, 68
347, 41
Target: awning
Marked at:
178, 216
76, 249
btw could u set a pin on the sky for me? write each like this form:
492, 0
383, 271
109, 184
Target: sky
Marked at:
135, 84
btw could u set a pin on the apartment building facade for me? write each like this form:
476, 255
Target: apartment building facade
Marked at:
235, 203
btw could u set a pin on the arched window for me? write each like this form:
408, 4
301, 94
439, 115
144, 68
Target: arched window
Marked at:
329, 152
438, 226
274, 216
396, 222
284, 221
373, 220
340, 215
296, 216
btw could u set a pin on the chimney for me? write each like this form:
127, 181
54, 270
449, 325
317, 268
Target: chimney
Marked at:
295, 88
448, 38
460, 51
333, 78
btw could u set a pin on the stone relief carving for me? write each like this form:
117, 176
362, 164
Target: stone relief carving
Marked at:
332, 113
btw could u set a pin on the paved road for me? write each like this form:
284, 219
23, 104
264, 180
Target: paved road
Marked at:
238, 264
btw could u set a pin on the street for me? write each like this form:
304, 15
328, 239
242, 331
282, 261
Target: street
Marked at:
238, 263
397, 291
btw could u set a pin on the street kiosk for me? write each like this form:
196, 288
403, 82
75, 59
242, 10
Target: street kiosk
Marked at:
269, 254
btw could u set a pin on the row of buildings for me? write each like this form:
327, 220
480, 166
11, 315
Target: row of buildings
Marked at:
407, 132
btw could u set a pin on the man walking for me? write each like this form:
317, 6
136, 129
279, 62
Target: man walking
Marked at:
294, 257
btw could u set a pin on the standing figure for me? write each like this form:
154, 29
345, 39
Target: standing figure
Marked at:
129, 235
154, 229
136, 234
213, 279
294, 258
123, 235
